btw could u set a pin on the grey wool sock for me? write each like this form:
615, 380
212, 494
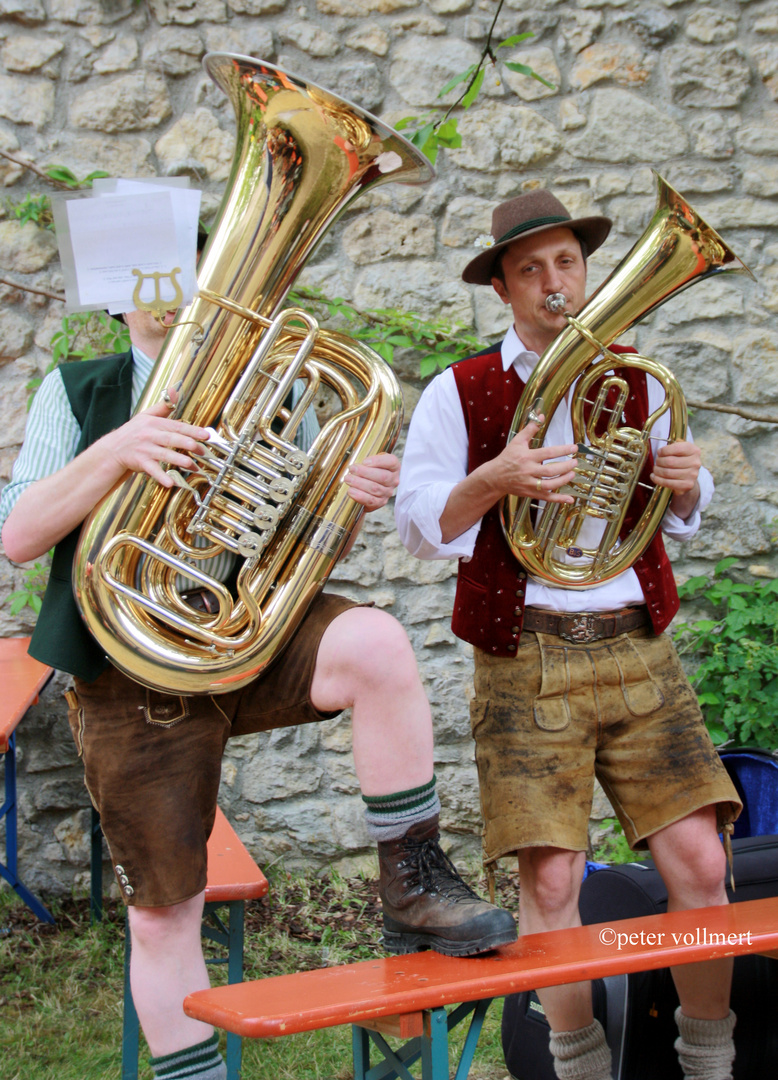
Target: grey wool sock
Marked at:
200, 1062
582, 1054
389, 817
705, 1048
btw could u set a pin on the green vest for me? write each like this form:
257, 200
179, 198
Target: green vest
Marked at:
100, 395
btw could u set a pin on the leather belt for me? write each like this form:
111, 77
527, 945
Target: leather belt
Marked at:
584, 626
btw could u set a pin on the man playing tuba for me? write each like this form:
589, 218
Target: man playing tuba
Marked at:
570, 684
153, 760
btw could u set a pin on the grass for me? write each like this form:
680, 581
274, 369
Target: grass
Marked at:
61, 985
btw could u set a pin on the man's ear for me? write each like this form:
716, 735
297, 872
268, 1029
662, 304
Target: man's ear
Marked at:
499, 287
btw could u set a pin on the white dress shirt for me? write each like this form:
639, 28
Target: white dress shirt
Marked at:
435, 461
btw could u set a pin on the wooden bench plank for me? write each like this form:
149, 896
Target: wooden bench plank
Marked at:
232, 873
21, 679
396, 985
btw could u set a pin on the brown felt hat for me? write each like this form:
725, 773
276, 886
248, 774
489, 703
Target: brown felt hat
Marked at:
533, 212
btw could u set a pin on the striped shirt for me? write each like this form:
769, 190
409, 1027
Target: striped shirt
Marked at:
53, 433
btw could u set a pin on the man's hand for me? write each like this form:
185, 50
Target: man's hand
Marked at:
373, 482
677, 466
525, 472
150, 440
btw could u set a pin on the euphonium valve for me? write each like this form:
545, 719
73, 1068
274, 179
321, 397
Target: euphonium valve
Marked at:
249, 374
581, 544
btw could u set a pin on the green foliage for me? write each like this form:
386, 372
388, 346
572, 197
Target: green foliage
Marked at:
438, 343
84, 336
614, 847
32, 208
737, 676
31, 593
37, 208
62, 175
436, 130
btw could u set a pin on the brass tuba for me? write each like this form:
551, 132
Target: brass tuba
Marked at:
302, 156
676, 249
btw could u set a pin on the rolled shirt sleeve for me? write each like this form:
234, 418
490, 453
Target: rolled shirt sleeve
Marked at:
434, 462
50, 441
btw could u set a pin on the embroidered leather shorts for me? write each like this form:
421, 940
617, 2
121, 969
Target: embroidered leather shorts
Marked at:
548, 721
153, 761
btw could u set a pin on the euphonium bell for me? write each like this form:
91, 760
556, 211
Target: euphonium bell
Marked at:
676, 250
302, 156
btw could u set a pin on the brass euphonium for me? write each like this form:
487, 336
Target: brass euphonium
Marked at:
302, 156
676, 250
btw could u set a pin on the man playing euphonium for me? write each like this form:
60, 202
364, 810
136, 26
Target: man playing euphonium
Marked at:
570, 684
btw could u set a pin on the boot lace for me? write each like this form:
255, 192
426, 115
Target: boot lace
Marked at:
435, 872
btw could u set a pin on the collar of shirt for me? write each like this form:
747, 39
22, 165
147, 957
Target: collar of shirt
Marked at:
143, 363
515, 354
142, 366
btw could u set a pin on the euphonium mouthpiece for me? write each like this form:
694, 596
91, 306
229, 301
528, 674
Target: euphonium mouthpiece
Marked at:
556, 303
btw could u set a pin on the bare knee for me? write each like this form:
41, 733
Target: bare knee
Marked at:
364, 648
550, 881
156, 928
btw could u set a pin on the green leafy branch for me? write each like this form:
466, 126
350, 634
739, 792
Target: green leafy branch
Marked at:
37, 208
737, 646
85, 335
434, 130
438, 343
31, 593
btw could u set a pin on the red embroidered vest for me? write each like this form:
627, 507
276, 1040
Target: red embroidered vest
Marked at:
489, 602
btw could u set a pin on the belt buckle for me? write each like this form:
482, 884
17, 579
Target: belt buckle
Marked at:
581, 629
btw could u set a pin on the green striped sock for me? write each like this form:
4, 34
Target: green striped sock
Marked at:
201, 1062
390, 816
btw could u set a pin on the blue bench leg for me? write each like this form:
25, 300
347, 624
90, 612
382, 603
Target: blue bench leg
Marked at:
434, 1047
8, 811
431, 1047
235, 975
130, 1023
95, 869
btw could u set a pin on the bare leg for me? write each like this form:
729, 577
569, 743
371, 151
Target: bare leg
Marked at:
166, 964
366, 662
549, 882
691, 860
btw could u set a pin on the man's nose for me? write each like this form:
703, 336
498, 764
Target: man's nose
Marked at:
552, 279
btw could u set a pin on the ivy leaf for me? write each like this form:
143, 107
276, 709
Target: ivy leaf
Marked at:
463, 76
63, 175
523, 69
516, 39
474, 90
724, 564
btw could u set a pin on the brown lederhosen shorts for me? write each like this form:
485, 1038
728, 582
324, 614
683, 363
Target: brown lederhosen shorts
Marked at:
153, 761
550, 719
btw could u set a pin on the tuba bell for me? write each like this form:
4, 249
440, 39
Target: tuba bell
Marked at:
676, 250
283, 516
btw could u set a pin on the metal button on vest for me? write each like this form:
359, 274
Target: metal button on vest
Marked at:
514, 629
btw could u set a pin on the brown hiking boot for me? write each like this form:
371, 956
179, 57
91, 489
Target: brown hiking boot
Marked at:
426, 903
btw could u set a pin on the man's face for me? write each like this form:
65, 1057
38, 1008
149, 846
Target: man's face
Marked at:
533, 268
146, 332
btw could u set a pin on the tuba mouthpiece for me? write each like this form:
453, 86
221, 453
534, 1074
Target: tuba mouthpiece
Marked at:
556, 303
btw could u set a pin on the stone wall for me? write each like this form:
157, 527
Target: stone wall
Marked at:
687, 88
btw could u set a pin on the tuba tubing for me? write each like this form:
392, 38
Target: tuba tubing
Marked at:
676, 250
302, 156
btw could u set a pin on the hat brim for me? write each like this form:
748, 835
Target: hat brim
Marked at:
592, 230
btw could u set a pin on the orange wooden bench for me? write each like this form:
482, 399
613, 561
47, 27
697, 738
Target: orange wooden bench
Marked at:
21, 680
233, 878
405, 996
